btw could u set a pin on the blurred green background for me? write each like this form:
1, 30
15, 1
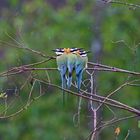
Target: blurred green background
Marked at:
112, 34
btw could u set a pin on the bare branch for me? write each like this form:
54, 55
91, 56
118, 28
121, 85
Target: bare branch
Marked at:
134, 6
97, 98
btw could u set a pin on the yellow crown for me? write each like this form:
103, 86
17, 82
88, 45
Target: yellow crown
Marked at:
67, 50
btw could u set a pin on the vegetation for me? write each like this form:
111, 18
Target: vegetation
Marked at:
30, 93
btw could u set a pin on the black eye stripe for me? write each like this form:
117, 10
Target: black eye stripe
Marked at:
76, 49
61, 51
83, 53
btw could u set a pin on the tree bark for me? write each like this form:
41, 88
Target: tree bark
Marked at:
96, 47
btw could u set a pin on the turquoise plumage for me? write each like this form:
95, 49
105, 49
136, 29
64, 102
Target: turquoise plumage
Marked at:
62, 67
61, 60
71, 60
80, 65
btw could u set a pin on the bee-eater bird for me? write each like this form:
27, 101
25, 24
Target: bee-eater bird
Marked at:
71, 60
80, 65
61, 60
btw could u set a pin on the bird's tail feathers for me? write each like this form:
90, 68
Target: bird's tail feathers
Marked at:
79, 79
63, 78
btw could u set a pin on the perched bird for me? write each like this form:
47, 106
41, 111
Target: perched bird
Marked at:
80, 65
71, 60
61, 60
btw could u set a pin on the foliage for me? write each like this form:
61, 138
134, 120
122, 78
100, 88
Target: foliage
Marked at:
40, 26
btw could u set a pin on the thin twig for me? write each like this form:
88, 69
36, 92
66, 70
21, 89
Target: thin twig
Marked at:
122, 3
97, 98
128, 133
109, 95
21, 69
30, 94
97, 66
113, 122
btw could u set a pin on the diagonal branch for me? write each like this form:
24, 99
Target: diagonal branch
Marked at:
122, 3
